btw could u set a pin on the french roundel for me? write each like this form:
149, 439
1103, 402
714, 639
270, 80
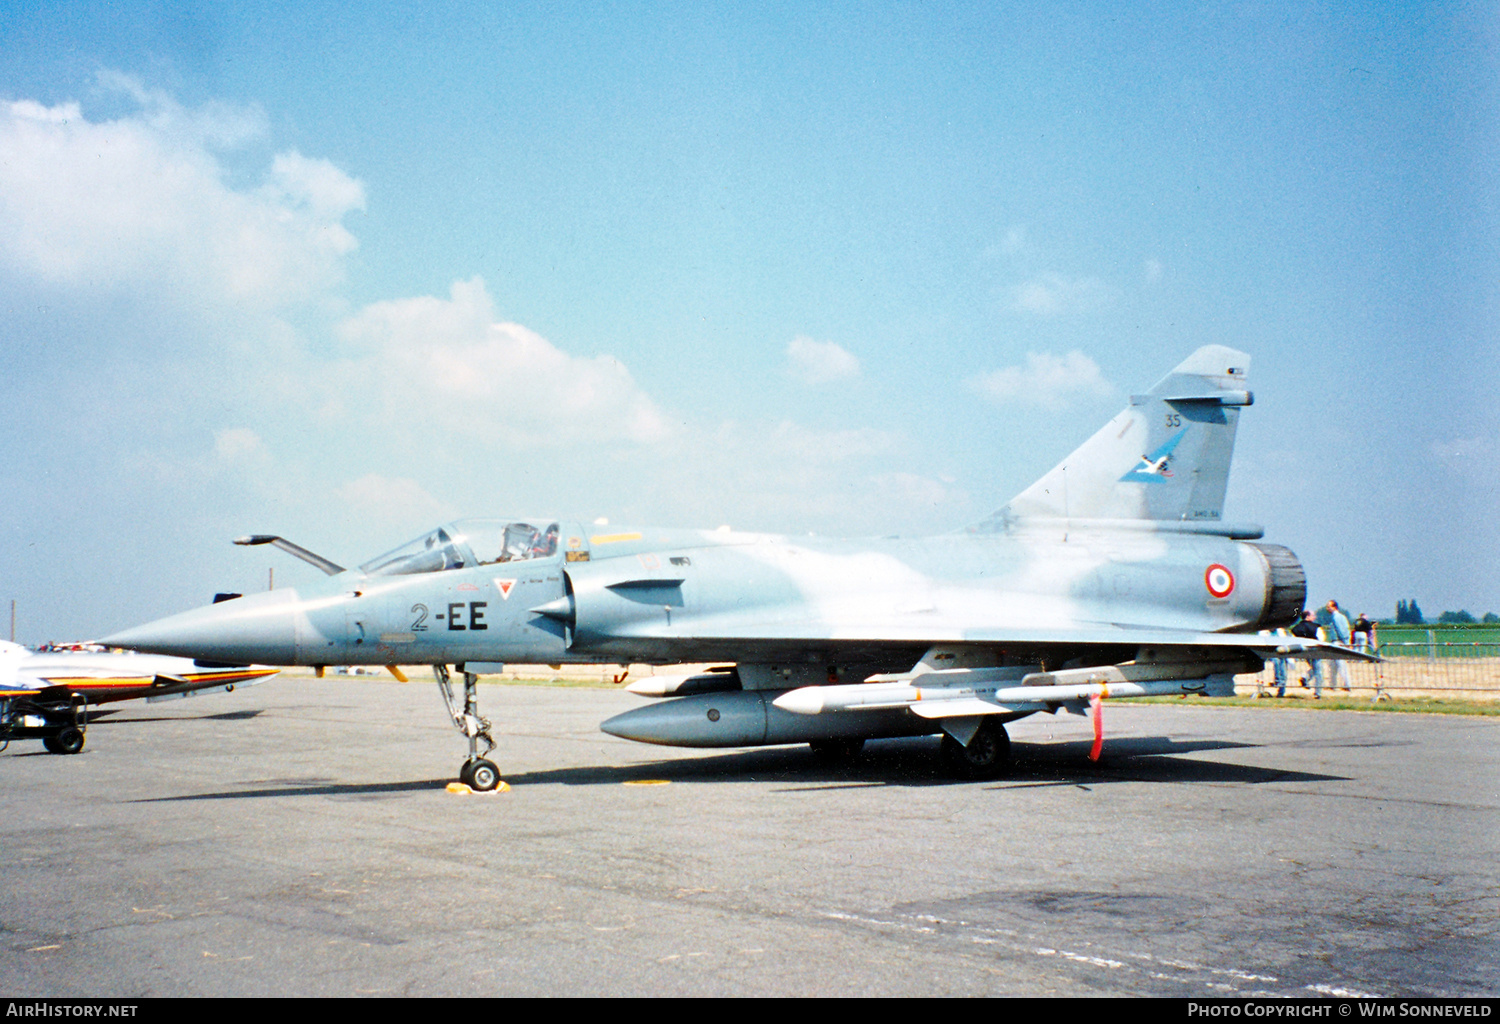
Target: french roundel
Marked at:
1219, 580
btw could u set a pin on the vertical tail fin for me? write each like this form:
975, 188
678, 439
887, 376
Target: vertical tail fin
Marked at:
1164, 458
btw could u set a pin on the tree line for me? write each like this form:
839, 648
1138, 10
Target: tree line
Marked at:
1409, 614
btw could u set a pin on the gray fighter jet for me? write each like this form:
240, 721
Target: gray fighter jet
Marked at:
1113, 575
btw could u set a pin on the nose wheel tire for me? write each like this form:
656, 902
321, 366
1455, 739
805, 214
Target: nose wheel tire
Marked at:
481, 775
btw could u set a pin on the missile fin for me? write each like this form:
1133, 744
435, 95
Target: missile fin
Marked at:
962, 728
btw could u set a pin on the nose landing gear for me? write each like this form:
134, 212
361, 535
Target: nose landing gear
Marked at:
477, 773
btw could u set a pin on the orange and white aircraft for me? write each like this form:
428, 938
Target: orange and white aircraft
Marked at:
46, 694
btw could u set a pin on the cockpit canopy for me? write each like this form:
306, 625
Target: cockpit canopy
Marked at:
469, 542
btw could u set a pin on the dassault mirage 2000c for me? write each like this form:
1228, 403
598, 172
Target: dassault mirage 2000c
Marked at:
1113, 575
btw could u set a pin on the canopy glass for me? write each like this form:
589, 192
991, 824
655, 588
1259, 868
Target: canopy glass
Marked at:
468, 542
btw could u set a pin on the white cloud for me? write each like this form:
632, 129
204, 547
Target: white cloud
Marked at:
322, 189
140, 206
819, 362
497, 382
214, 125
1046, 380
1054, 294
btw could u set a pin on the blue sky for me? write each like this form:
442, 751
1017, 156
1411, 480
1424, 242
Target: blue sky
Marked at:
342, 271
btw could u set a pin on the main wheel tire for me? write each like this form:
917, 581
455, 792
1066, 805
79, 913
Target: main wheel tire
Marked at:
836, 751
67, 740
986, 755
483, 775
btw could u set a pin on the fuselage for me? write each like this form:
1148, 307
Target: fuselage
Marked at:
667, 595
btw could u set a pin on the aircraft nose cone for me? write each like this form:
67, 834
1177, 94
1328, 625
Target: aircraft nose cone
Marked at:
257, 628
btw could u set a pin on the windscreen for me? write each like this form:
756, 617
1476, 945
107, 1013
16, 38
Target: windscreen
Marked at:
469, 542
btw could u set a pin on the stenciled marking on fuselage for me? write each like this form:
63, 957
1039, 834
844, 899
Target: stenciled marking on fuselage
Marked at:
455, 618
1155, 468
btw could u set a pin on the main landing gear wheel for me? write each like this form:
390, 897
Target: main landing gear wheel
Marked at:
67, 740
986, 756
836, 751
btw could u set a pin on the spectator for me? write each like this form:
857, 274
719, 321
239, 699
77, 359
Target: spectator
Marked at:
1343, 636
1307, 629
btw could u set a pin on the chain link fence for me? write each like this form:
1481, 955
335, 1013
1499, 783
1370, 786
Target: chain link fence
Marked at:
1426, 668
